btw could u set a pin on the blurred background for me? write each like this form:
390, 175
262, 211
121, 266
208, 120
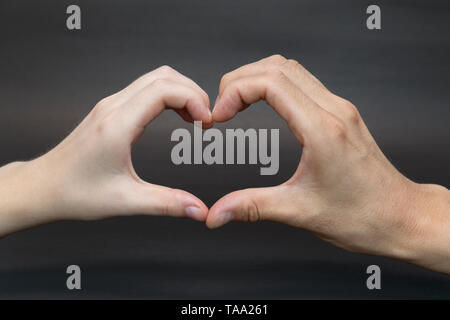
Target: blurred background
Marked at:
51, 77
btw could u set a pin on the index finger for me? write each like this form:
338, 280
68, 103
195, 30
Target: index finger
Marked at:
300, 112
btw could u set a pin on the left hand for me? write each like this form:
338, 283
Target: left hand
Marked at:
90, 175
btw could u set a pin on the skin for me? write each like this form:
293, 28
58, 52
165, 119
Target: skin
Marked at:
89, 175
344, 191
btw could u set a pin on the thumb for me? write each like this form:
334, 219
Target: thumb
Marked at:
154, 199
251, 205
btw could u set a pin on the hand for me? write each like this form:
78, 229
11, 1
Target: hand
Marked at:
90, 175
345, 190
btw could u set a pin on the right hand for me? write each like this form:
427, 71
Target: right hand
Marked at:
345, 190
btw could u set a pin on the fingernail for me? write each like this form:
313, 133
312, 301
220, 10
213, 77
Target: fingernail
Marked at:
194, 213
224, 218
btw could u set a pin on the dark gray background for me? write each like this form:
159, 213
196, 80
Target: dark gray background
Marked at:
50, 78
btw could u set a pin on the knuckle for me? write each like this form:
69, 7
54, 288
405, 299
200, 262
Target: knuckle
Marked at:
165, 70
165, 210
225, 78
106, 123
277, 59
224, 81
274, 77
101, 105
253, 213
293, 63
351, 112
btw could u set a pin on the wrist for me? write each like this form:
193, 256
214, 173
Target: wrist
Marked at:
26, 196
423, 228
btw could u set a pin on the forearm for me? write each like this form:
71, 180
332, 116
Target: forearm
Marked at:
426, 236
25, 197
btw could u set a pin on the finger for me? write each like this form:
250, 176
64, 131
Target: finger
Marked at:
160, 94
187, 117
301, 77
153, 199
161, 73
275, 62
300, 112
184, 115
251, 205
